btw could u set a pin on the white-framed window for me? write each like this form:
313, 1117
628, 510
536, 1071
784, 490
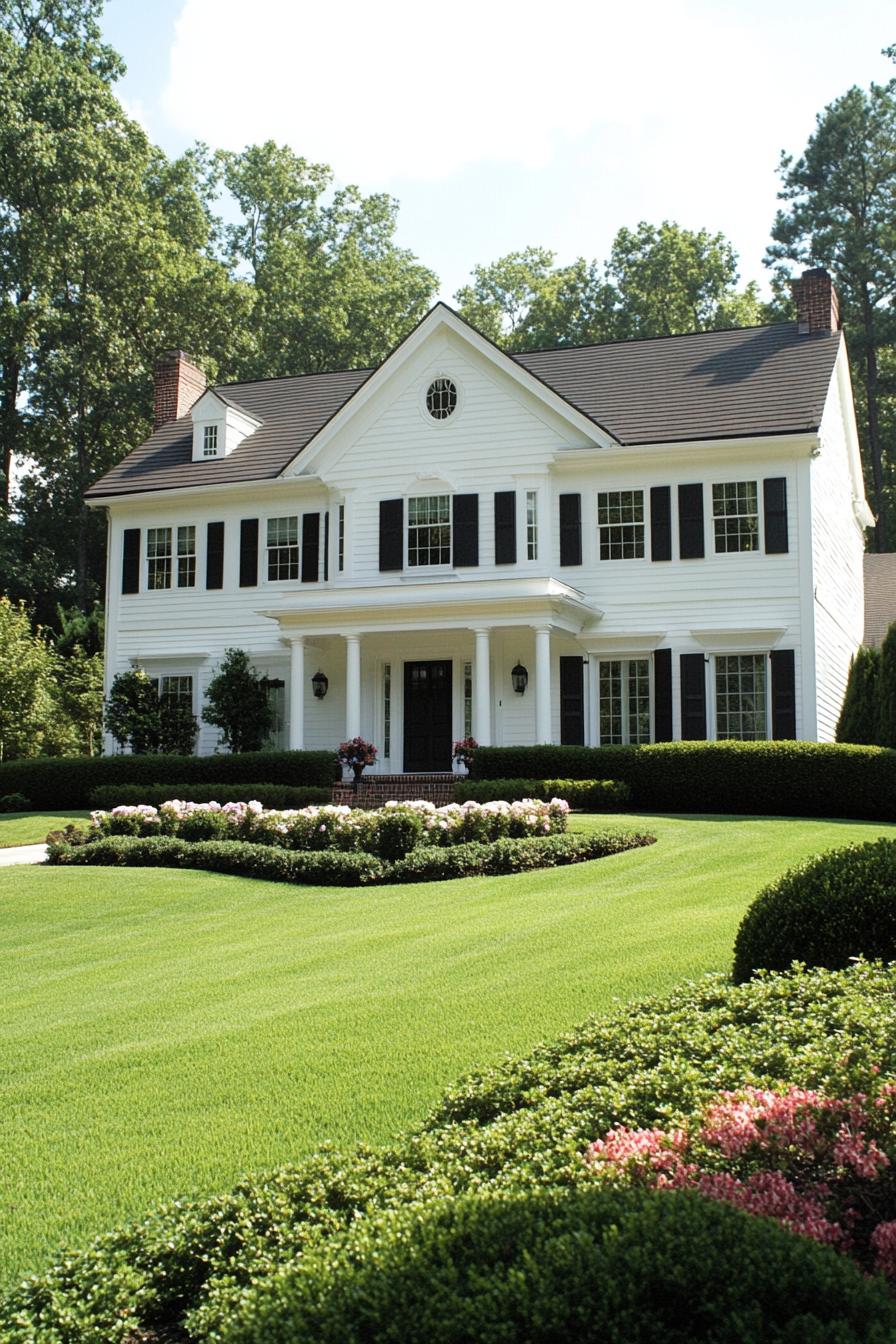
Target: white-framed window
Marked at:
210, 441
531, 524
340, 540
624, 701
158, 558
178, 689
441, 398
283, 548
429, 530
741, 696
735, 516
186, 557
620, 524
387, 711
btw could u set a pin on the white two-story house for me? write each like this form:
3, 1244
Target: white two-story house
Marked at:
621, 543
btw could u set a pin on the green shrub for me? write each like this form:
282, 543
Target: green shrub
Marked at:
615, 1266
475, 858
859, 719
15, 802
108, 796
807, 779
825, 912
397, 831
584, 795
68, 782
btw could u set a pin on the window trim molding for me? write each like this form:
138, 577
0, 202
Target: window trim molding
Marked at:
712, 708
759, 548
644, 524
422, 407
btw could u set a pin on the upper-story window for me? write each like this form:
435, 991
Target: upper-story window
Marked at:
531, 524
160, 568
735, 515
429, 530
740, 697
441, 398
283, 548
620, 524
186, 557
210, 441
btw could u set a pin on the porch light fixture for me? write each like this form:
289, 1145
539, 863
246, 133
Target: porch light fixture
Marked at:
520, 678
319, 684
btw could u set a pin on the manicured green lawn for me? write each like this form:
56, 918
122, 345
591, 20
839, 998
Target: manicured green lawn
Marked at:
30, 828
164, 1032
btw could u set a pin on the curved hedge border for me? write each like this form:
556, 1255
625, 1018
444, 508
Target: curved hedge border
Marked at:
586, 795
108, 796
338, 868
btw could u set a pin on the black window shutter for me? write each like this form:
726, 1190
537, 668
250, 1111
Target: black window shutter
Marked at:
326, 545
310, 547
693, 697
783, 694
660, 522
391, 534
465, 531
572, 701
214, 555
662, 695
248, 552
690, 523
570, 529
130, 561
774, 500
505, 527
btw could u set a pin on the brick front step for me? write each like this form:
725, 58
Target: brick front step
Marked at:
375, 790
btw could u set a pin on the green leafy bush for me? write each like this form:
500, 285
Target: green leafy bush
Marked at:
615, 1266
807, 779
398, 830
237, 702
859, 719
15, 802
826, 911
428, 864
69, 782
584, 795
108, 796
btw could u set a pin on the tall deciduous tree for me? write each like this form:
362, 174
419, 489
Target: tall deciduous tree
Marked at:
841, 214
27, 668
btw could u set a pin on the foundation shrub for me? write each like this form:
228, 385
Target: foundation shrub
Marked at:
824, 912
583, 795
108, 796
15, 802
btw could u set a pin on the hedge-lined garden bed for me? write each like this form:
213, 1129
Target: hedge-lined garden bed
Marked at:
584, 795
108, 796
807, 779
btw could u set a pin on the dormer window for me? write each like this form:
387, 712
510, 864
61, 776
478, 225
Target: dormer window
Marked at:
210, 441
219, 426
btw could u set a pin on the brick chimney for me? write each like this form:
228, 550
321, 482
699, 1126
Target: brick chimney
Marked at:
177, 383
817, 305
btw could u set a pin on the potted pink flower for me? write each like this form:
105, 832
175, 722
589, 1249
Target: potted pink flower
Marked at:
356, 754
463, 752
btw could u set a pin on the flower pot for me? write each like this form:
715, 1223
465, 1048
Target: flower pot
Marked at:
357, 771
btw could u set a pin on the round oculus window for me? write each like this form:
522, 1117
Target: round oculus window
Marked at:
441, 398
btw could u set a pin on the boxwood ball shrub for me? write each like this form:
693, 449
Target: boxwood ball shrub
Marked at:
582, 1266
826, 911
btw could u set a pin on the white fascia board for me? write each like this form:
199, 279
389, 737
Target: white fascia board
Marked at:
860, 507
438, 317
738, 640
163, 659
618, 646
772, 446
206, 493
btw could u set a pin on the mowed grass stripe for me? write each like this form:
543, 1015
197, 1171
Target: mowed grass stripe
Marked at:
165, 1031
30, 828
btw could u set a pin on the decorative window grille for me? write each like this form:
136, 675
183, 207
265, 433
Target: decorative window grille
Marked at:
441, 398
158, 557
186, 557
283, 548
620, 522
468, 699
429, 530
741, 697
340, 563
387, 711
531, 524
210, 441
624, 686
735, 511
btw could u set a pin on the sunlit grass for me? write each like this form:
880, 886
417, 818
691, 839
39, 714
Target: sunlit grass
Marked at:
30, 828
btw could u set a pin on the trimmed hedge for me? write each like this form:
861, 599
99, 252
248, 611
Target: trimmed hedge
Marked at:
585, 795
276, 796
61, 782
615, 1266
807, 779
825, 912
331, 867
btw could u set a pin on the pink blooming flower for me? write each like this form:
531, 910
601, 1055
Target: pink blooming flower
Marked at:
883, 1242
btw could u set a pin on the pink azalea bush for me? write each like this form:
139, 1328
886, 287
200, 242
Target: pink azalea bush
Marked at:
821, 1166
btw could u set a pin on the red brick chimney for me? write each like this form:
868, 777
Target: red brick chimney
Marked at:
178, 383
817, 305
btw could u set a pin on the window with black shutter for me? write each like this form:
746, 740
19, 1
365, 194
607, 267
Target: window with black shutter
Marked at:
570, 529
310, 547
693, 697
572, 701
130, 560
660, 522
248, 552
214, 555
465, 531
505, 527
391, 534
783, 694
662, 695
691, 545
774, 502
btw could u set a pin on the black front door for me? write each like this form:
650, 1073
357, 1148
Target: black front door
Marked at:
427, 717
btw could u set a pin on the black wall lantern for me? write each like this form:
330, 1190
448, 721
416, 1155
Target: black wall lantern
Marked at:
319, 684
520, 678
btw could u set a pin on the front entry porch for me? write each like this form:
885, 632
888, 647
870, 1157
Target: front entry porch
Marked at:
376, 790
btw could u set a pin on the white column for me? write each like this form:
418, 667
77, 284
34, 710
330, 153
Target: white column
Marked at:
542, 683
482, 691
352, 686
297, 693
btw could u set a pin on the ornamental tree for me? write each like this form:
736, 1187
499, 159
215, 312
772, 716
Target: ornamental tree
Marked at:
236, 701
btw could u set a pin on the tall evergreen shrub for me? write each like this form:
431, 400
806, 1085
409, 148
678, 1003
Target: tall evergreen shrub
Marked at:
236, 701
859, 720
887, 690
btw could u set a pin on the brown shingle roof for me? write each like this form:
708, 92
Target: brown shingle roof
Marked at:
880, 596
715, 384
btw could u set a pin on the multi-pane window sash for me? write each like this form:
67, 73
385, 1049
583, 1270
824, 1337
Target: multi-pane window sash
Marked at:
186, 557
210, 441
429, 530
177, 690
624, 686
158, 558
283, 548
735, 511
741, 697
620, 522
531, 525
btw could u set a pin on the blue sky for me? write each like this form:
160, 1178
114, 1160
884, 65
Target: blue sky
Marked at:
499, 126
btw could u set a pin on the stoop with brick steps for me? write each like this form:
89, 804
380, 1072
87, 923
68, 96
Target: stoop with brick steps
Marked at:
375, 790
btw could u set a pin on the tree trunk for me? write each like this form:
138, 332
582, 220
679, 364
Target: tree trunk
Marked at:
9, 426
881, 529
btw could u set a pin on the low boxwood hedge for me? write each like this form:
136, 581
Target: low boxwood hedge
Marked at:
69, 781
108, 796
824, 912
614, 1266
585, 795
806, 779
